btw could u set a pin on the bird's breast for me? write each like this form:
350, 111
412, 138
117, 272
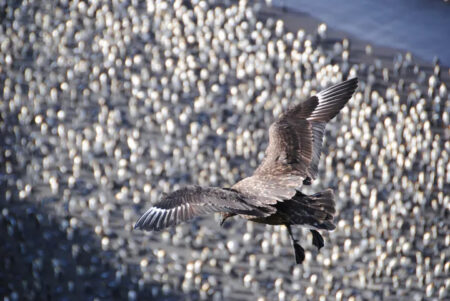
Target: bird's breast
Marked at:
274, 219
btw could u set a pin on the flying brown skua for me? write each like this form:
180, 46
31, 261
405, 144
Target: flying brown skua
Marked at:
272, 194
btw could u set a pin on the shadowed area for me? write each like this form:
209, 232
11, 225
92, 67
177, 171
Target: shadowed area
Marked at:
50, 256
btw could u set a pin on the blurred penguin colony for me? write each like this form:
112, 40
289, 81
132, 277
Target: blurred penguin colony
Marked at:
106, 104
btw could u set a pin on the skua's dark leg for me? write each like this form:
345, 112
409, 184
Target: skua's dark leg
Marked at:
317, 239
298, 250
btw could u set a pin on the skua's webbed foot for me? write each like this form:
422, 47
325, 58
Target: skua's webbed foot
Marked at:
299, 252
317, 239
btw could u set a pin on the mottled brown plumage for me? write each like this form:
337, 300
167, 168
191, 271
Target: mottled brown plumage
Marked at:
271, 195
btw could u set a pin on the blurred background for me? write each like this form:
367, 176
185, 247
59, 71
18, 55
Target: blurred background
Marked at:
419, 26
106, 104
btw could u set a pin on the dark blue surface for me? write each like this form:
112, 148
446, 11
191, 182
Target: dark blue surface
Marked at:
419, 26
